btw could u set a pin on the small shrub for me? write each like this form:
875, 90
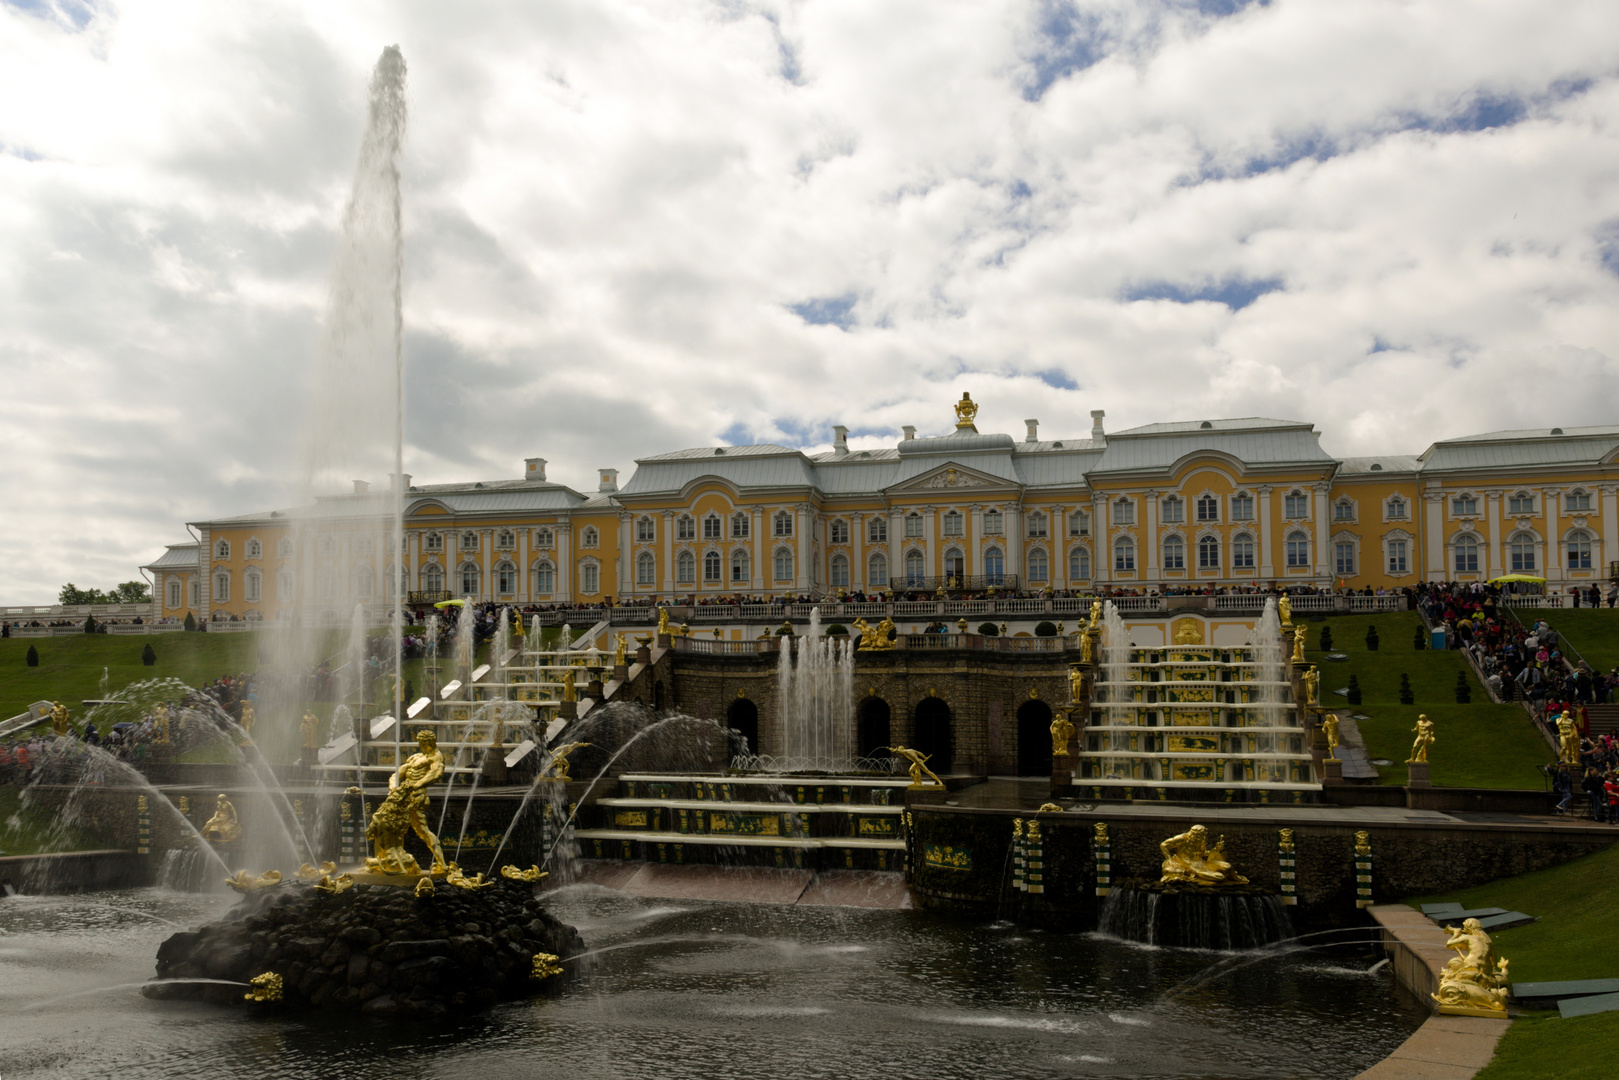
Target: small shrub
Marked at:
1045, 628
838, 628
1406, 697
1325, 641
1464, 691
1354, 690
148, 655
989, 629
1371, 638
1420, 641
32, 659
89, 624
191, 621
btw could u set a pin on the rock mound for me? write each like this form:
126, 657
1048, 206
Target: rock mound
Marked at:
375, 948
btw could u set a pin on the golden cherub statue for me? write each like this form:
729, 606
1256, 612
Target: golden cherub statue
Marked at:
308, 872
1096, 614
60, 718
223, 827
557, 767
1329, 726
310, 729
1299, 634
1424, 739
1284, 608
326, 883
966, 411
533, 873
1062, 732
1187, 857
1475, 982
919, 766
405, 809
1568, 739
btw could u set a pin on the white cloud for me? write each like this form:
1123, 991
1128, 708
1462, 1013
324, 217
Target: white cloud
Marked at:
613, 209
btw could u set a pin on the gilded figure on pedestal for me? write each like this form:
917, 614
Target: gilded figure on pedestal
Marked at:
1188, 858
223, 827
405, 809
1062, 732
1424, 739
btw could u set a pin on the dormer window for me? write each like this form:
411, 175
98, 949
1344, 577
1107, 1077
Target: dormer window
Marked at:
222, 550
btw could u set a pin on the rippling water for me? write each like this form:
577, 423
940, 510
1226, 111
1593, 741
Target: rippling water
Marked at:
708, 991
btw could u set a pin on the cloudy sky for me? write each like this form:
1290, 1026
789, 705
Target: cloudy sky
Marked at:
633, 226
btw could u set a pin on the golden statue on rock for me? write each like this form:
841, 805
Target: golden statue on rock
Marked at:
307, 872
160, 725
249, 718
919, 766
244, 882
1188, 858
875, 638
1474, 983
1311, 680
533, 873
621, 646
223, 827
1424, 739
1568, 739
405, 809
1076, 684
1062, 733
569, 691
557, 768
663, 620
1096, 614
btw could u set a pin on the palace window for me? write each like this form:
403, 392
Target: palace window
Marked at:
1521, 550
711, 527
913, 567
1343, 555
1521, 504
255, 550
545, 578
1208, 553
1079, 563
740, 525
739, 566
712, 565
469, 579
1295, 506
839, 530
174, 593
1242, 552
1039, 566
1343, 510
877, 571
994, 524
283, 548
1173, 510
782, 523
505, 540
1397, 561
952, 523
1174, 553
646, 569
469, 541
590, 537
362, 545
994, 565
590, 578
913, 525
1575, 502
1298, 549
645, 531
506, 578
1037, 525
221, 587
363, 583
1242, 507
326, 545
1124, 513
433, 578
1396, 509
686, 568
326, 585
1466, 554
1579, 551
1464, 506
840, 572
1124, 554
877, 530
435, 541
783, 564
222, 550
1208, 508
252, 586
284, 584
685, 527
1079, 523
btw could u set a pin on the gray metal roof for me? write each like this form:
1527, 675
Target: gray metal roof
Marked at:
1278, 446
961, 442
1384, 463
1246, 423
177, 557
461, 501
1506, 450
745, 466
752, 450
1059, 469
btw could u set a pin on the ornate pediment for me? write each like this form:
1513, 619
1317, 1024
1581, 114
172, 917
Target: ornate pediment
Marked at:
952, 478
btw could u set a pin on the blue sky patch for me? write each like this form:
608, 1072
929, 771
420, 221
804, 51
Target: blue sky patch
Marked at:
1070, 40
736, 435
1235, 293
1607, 238
1056, 378
74, 13
827, 311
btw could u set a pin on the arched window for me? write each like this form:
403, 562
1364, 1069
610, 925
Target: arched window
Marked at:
221, 587
469, 579
952, 523
1242, 507
877, 571
994, 524
646, 569
782, 523
1296, 505
545, 578
1037, 525
1174, 511
1039, 566
783, 564
1124, 554
1521, 504
1298, 549
252, 586
1079, 563
686, 568
222, 550
1124, 513
913, 525
1577, 501
1394, 509
840, 572
543, 538
740, 523
1466, 554
505, 578
645, 533
877, 530
1522, 551
913, 568
711, 566
1242, 552
739, 566
433, 578
1174, 553
505, 540
469, 541
1579, 551
994, 565
1208, 508
1208, 553
284, 584
255, 550
1343, 510
838, 531
590, 578
435, 541
685, 527
1079, 523
590, 537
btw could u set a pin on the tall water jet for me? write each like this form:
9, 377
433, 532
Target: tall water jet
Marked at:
817, 694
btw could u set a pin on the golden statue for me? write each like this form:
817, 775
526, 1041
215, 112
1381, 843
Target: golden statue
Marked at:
1424, 739
1475, 982
1312, 686
1100, 830
1363, 842
1329, 725
1284, 608
663, 620
160, 725
266, 988
310, 727
424, 887
1299, 634
1096, 614
1062, 732
1285, 840
60, 718
1568, 739
1049, 808
1187, 857
244, 882
1076, 684
621, 645
875, 639
1087, 647
223, 827
405, 809
341, 883
533, 873
455, 877
545, 965
1188, 632
557, 767
966, 411
569, 692
919, 766
307, 872
249, 718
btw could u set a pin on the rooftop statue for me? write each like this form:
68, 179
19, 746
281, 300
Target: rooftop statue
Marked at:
1187, 857
405, 809
966, 411
223, 827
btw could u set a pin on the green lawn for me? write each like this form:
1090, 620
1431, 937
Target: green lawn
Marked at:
1481, 744
1594, 632
1571, 941
26, 831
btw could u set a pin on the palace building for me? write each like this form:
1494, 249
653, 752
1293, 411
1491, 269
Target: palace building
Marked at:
1222, 503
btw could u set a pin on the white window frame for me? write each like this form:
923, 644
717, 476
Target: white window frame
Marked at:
953, 523
1242, 506
877, 530
685, 527
686, 568
1174, 552
1296, 506
1203, 542
994, 523
1244, 552
1039, 566
1079, 563
1123, 511
781, 524
645, 530
1124, 555
877, 570
1037, 529
1172, 509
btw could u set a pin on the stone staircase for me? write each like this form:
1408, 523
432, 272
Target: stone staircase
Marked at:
1604, 720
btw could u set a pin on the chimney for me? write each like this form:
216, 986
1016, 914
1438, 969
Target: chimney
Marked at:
398, 481
840, 439
361, 487
534, 468
609, 480
1097, 434
1034, 431
910, 432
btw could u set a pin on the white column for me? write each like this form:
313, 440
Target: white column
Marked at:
1101, 543
520, 557
857, 552
1059, 547
1267, 562
758, 525
668, 552
802, 548
1012, 522
1433, 524
1554, 541
1492, 520
1148, 557
486, 557
930, 526
626, 555
1608, 543
565, 561
1323, 538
